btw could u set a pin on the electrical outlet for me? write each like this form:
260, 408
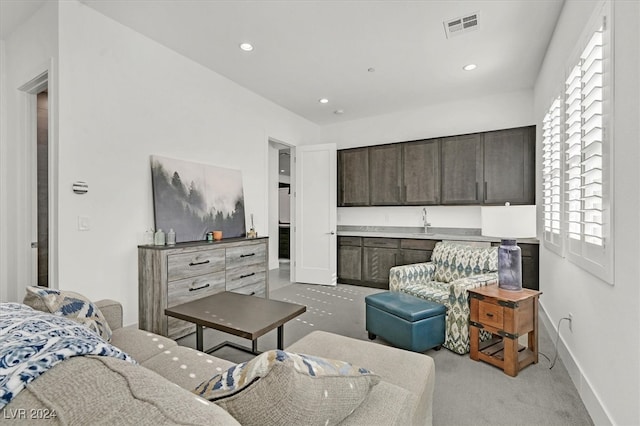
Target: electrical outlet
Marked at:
570, 322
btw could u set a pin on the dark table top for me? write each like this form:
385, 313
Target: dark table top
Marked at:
238, 314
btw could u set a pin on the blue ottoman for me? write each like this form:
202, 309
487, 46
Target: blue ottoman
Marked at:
405, 321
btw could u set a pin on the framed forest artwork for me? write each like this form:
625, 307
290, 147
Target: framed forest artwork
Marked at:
194, 198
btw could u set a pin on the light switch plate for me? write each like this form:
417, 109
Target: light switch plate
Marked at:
83, 223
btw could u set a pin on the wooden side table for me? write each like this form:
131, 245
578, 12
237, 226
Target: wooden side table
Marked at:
507, 315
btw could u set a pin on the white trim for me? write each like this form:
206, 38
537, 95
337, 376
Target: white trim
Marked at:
4, 279
590, 398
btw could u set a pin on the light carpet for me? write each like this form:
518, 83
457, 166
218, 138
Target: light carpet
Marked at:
466, 392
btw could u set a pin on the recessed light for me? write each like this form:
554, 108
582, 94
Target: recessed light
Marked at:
338, 111
247, 47
323, 100
470, 67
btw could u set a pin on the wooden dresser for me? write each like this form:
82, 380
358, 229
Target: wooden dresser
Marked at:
172, 275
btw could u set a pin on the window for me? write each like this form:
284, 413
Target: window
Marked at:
587, 160
551, 176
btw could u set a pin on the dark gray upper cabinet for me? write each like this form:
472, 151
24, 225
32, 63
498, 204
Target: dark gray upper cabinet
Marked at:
353, 177
385, 182
461, 164
421, 172
509, 166
481, 168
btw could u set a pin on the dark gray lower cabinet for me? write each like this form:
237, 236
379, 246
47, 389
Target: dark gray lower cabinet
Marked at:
366, 261
350, 260
415, 251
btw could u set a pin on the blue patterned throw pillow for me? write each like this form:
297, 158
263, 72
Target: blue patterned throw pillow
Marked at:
279, 387
70, 305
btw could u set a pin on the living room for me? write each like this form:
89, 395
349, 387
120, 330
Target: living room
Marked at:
121, 97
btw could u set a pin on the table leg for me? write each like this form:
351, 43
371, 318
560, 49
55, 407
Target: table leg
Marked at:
254, 346
281, 337
199, 337
510, 365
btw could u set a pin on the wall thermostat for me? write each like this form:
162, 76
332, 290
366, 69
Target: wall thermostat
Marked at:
80, 187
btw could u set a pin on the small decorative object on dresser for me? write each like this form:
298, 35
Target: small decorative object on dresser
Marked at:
252, 232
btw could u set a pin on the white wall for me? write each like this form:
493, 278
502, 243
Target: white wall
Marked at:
601, 353
123, 98
495, 112
26, 52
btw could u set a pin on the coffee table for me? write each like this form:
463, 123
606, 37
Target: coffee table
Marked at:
241, 315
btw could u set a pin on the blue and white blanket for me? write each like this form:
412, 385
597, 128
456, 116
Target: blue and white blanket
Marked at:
31, 342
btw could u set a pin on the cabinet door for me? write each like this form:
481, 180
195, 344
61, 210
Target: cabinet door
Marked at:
415, 251
384, 179
421, 172
462, 169
509, 165
353, 177
376, 263
349, 263
530, 271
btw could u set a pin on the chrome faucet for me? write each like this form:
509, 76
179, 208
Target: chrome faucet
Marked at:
425, 221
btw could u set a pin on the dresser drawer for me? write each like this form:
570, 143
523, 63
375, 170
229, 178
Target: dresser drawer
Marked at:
194, 263
491, 315
252, 287
246, 255
194, 288
240, 277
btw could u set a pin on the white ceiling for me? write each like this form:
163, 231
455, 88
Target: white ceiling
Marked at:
307, 50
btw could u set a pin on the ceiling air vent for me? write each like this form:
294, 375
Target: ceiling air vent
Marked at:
461, 25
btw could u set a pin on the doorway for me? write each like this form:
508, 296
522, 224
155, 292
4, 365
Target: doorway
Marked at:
281, 185
42, 188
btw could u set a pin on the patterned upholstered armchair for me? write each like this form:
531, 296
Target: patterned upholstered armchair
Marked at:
454, 268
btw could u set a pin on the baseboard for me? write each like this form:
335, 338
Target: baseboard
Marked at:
589, 397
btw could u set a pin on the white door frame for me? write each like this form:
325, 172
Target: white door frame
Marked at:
27, 189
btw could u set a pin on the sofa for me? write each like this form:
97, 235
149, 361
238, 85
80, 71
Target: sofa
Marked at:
454, 268
158, 388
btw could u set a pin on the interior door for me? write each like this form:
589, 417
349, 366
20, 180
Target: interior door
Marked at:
316, 213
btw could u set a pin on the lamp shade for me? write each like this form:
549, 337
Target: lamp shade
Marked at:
508, 222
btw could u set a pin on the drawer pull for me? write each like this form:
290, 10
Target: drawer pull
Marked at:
248, 275
199, 288
489, 314
247, 255
253, 293
199, 263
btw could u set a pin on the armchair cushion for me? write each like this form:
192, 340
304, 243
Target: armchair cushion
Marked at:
454, 261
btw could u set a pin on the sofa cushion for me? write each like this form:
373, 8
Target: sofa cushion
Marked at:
70, 305
98, 390
186, 367
408, 370
278, 387
141, 345
454, 261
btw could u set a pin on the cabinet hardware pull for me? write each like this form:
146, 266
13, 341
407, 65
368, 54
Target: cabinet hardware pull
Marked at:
476, 190
247, 255
489, 314
253, 293
199, 263
484, 195
248, 275
199, 288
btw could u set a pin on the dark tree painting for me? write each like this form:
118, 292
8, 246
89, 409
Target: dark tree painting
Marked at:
193, 199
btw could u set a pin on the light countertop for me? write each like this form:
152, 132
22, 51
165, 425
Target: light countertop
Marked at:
416, 232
